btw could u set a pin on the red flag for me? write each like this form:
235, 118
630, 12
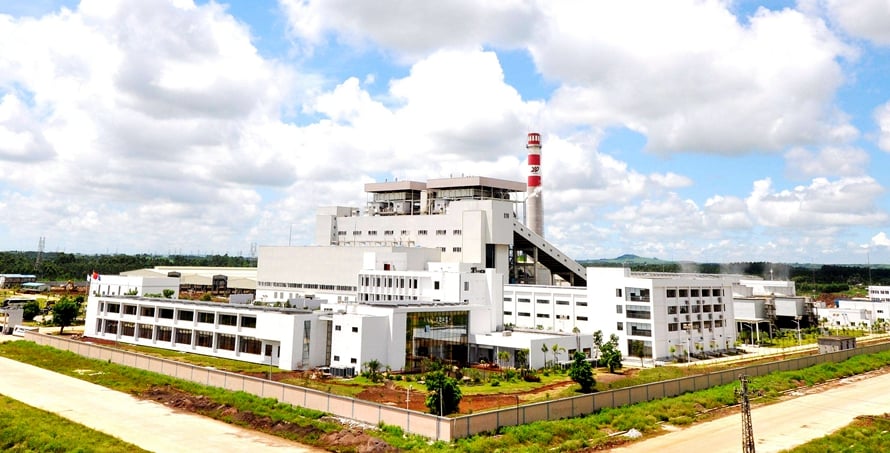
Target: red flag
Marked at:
95, 275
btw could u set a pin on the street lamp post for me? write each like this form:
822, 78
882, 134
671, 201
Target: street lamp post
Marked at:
797, 321
688, 328
408, 397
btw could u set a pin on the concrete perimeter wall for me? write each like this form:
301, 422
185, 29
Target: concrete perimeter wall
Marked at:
441, 428
426, 425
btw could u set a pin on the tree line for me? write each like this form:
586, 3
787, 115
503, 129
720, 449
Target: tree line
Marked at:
57, 266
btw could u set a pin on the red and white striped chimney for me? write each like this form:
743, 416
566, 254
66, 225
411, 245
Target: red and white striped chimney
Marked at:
534, 203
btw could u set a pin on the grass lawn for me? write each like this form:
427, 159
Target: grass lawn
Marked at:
25, 428
867, 434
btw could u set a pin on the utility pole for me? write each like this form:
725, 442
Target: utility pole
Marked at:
747, 430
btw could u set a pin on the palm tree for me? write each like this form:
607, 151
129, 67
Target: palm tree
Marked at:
545, 349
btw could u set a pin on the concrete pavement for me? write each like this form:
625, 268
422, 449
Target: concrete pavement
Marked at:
782, 425
147, 424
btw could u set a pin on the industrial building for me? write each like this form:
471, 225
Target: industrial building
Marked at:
455, 269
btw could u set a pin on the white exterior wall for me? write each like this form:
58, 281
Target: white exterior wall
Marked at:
280, 329
553, 308
608, 290
769, 287
119, 285
360, 338
879, 293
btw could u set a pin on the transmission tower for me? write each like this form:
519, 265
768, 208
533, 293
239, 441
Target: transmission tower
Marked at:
747, 430
39, 260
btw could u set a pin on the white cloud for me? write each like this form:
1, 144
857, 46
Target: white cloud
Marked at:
690, 76
882, 117
414, 29
844, 202
880, 240
866, 19
831, 161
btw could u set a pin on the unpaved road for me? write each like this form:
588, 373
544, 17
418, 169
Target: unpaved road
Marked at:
782, 425
149, 425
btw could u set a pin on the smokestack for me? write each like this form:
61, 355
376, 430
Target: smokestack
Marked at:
534, 206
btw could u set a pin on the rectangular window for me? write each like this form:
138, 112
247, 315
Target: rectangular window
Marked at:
203, 339
456, 232
581, 303
166, 313
205, 317
620, 326
618, 309
671, 292
248, 322
672, 309
508, 313
456, 249
372, 232
114, 308
617, 292
148, 312
337, 328
186, 315
128, 329
542, 301
336, 358
582, 318
355, 329
440, 232
184, 336
353, 360
130, 310
436, 284
250, 345
421, 232
706, 292
524, 300
543, 315
525, 314
695, 292
164, 333
508, 299
145, 331
225, 341
404, 232
684, 293
673, 327
562, 302
466, 286
228, 320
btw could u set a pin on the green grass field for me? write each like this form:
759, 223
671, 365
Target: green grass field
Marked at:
27, 429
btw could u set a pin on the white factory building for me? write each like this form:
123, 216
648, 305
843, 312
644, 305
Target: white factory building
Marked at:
868, 313
446, 269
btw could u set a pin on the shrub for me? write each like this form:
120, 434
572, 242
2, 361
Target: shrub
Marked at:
531, 377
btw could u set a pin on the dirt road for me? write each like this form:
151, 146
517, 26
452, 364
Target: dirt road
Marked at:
783, 425
147, 424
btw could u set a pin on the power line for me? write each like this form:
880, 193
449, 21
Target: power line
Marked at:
747, 429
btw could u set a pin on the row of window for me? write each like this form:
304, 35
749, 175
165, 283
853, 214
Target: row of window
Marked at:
694, 292
526, 300
206, 317
404, 232
306, 286
189, 337
338, 328
352, 360
390, 282
526, 314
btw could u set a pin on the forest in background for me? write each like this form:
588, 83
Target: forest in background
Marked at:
823, 278
56, 266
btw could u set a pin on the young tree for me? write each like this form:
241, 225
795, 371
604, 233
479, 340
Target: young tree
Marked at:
582, 373
503, 358
30, 310
521, 358
445, 395
636, 350
65, 311
611, 354
545, 350
556, 350
372, 370
597, 347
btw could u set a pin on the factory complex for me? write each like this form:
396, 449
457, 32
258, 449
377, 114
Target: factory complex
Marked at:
453, 269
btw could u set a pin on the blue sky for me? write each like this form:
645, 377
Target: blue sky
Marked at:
712, 131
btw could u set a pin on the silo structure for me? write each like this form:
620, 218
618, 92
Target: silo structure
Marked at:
534, 205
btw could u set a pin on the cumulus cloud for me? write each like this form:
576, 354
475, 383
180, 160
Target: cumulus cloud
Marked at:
831, 161
844, 202
880, 240
413, 29
865, 19
691, 77
882, 117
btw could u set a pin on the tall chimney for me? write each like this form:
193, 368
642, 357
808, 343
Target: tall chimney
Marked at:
534, 206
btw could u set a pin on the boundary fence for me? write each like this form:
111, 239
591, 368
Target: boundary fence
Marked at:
428, 425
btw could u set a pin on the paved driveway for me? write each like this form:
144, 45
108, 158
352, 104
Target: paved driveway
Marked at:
783, 425
147, 424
